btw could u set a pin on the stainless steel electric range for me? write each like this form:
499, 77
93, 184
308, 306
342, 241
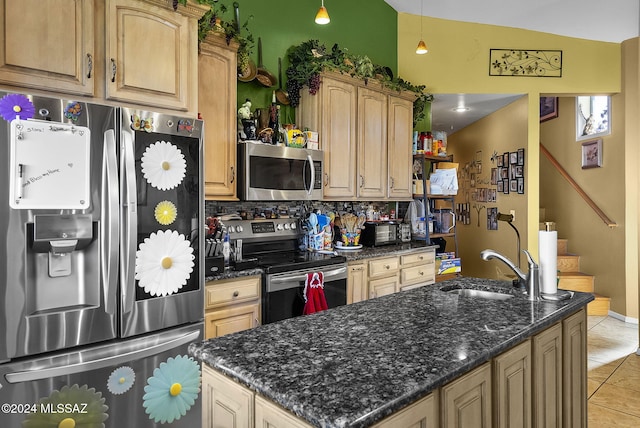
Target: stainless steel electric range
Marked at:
275, 243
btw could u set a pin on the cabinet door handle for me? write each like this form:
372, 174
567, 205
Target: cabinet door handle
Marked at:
89, 65
113, 70
421, 258
421, 273
255, 320
233, 175
387, 267
236, 293
361, 181
391, 184
326, 179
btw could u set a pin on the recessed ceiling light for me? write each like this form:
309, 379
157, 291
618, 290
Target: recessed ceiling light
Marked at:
460, 109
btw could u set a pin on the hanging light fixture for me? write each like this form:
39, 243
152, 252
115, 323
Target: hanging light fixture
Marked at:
322, 17
422, 46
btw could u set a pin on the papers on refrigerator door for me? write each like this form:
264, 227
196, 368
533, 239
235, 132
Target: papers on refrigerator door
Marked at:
444, 182
49, 165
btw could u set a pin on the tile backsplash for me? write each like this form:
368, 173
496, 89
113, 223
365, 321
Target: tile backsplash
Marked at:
255, 209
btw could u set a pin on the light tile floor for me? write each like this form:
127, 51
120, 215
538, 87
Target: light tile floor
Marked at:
613, 373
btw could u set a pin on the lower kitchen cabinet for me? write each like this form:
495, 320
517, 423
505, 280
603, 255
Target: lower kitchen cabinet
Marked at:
268, 415
466, 402
224, 402
574, 370
417, 269
356, 282
423, 414
547, 377
512, 387
383, 286
231, 305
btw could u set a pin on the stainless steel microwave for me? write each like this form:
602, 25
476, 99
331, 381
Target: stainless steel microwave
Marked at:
278, 173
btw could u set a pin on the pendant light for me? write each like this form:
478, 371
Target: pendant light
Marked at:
322, 17
422, 46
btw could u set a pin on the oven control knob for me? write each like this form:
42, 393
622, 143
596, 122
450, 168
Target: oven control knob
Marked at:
287, 226
239, 229
231, 229
293, 226
279, 227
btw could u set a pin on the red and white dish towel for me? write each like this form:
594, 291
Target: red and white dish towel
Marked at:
314, 293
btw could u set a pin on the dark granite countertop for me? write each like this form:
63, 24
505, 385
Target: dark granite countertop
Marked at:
232, 273
353, 365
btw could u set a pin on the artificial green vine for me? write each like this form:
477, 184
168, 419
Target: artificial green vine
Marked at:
215, 19
308, 59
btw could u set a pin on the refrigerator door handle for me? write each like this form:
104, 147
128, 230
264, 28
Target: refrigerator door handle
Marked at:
111, 357
129, 204
109, 224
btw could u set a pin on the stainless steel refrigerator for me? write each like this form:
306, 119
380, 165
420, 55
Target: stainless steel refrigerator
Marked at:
101, 273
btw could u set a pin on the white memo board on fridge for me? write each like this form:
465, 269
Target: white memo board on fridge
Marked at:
49, 165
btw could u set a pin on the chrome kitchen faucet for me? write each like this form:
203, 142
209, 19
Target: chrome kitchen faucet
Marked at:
530, 281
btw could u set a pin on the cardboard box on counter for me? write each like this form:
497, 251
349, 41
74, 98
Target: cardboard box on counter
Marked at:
446, 266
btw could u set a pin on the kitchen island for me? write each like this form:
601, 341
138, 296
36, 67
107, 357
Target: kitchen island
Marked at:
355, 365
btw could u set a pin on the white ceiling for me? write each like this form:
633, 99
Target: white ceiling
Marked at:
611, 21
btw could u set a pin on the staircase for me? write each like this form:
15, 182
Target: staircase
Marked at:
572, 279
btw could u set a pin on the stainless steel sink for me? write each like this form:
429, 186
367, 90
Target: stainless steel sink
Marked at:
480, 294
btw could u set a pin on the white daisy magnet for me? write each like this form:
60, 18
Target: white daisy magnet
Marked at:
164, 263
163, 165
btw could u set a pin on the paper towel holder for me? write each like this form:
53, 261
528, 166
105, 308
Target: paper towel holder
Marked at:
508, 218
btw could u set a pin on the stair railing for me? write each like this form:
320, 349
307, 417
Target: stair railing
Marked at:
577, 188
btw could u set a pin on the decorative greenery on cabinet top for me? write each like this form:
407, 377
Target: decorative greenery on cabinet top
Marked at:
216, 19
310, 58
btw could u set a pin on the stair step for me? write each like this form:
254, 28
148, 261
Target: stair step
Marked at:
563, 245
576, 281
568, 263
599, 306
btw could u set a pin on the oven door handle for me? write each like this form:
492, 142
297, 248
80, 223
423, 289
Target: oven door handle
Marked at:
291, 281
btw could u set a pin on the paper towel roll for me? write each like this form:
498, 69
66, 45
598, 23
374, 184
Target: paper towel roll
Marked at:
548, 254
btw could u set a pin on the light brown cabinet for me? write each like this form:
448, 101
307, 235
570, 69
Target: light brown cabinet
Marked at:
225, 403
356, 282
380, 276
547, 377
417, 269
400, 126
151, 53
574, 370
372, 144
512, 387
217, 83
466, 402
424, 414
231, 305
135, 51
365, 133
48, 45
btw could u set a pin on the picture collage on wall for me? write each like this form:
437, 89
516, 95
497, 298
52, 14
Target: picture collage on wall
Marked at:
508, 177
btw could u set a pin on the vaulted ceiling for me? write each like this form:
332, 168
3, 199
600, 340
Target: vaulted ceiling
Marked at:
611, 21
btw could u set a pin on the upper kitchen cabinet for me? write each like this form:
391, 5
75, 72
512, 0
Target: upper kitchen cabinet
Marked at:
400, 127
365, 133
333, 113
48, 45
152, 53
372, 144
217, 81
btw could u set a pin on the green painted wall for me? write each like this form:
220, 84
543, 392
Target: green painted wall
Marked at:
364, 27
